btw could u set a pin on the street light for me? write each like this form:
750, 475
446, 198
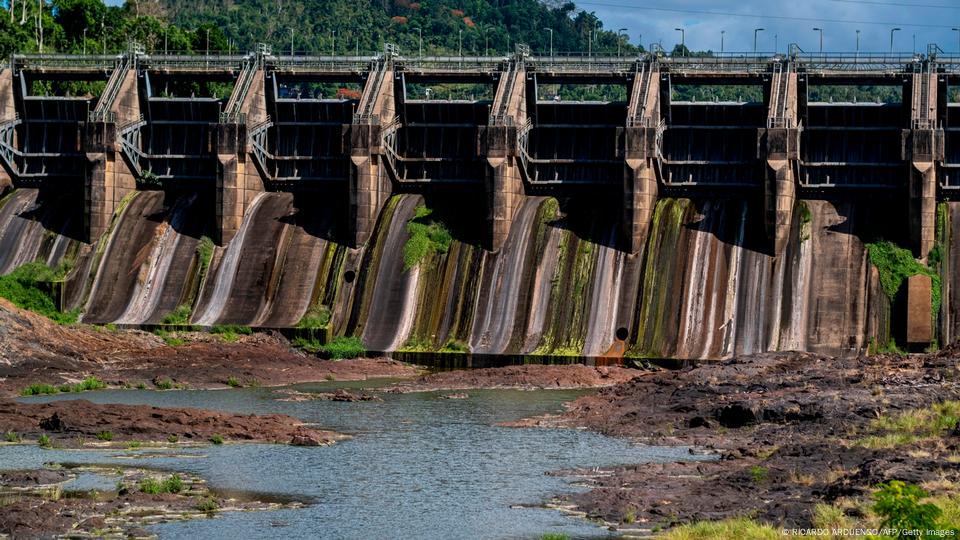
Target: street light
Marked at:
957, 30
208, 42
722, 32
858, 44
291, 41
821, 38
551, 40
755, 32
333, 43
892, 30
84, 41
619, 39
420, 35
460, 40
683, 41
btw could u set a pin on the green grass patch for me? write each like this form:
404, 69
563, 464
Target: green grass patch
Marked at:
11, 437
341, 347
554, 536
105, 436
152, 486
180, 315
758, 474
32, 287
169, 338
216, 439
44, 441
204, 255
90, 383
164, 384
427, 238
317, 317
806, 220
234, 382
740, 528
231, 332
910, 426
208, 505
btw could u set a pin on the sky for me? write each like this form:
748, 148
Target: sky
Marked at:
785, 22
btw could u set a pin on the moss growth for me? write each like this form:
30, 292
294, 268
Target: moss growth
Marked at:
427, 238
455, 346
317, 317
417, 344
896, 264
204, 255
32, 286
806, 220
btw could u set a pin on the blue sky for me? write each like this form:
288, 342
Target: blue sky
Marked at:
929, 20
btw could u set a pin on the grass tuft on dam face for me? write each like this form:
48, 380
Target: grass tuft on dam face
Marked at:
427, 237
31, 287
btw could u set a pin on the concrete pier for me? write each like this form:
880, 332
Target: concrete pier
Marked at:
149, 131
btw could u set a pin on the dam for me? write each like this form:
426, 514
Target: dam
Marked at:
591, 207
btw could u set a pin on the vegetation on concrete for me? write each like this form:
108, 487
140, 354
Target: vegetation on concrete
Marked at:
179, 316
428, 237
806, 220
895, 265
457, 346
32, 287
315, 318
90, 383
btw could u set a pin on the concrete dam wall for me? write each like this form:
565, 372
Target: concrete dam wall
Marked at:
638, 225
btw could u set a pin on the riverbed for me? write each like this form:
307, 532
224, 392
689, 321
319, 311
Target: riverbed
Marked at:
418, 466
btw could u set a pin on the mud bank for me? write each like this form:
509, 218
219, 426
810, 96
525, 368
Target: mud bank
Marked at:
71, 423
527, 377
41, 504
34, 350
791, 430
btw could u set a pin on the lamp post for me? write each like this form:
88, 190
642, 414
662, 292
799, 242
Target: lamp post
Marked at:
858, 44
84, 41
755, 32
460, 41
291, 41
821, 38
420, 35
892, 30
551, 40
683, 41
957, 30
103, 33
333, 43
620, 39
208, 42
722, 32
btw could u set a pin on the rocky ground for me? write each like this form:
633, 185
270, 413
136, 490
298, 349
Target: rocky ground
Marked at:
78, 422
34, 350
525, 377
40, 503
791, 431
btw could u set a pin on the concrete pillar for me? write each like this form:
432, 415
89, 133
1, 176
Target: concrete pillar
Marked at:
923, 147
919, 306
780, 149
108, 179
640, 189
238, 180
8, 111
369, 186
504, 181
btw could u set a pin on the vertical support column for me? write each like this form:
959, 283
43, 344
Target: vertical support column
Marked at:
923, 147
108, 178
8, 113
641, 152
238, 180
503, 180
780, 149
369, 185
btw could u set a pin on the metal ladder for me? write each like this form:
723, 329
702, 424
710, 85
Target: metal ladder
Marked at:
102, 112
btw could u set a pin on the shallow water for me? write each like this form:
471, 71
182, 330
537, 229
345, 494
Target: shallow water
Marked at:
417, 467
